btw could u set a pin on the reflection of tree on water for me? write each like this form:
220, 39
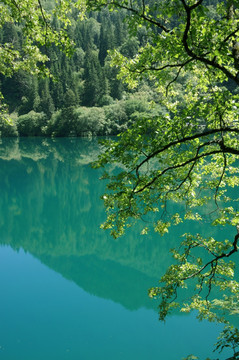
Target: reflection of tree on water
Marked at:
70, 149
50, 207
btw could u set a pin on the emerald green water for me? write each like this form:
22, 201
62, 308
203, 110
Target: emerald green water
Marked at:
68, 290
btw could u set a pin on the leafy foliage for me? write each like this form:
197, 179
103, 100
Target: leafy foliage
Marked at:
229, 338
183, 164
87, 74
34, 22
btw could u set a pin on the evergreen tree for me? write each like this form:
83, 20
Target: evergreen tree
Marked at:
120, 28
46, 103
106, 41
92, 77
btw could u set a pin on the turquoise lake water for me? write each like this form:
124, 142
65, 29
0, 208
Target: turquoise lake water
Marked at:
68, 290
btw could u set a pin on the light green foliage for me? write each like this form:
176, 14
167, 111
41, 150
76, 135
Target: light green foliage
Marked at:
205, 261
229, 338
90, 121
183, 164
34, 22
31, 124
95, 121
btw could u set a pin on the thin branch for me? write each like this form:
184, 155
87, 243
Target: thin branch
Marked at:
221, 177
143, 6
47, 25
168, 66
42, 12
229, 36
16, 5
211, 276
218, 257
191, 168
186, 139
174, 79
192, 54
147, 185
141, 15
192, 7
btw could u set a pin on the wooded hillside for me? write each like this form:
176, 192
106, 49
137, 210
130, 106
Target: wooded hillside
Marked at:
83, 97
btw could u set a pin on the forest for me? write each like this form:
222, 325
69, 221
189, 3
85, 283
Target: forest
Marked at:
83, 96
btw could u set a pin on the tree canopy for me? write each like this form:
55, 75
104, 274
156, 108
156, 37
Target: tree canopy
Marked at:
189, 154
34, 19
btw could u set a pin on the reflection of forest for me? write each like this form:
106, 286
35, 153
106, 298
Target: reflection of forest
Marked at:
50, 207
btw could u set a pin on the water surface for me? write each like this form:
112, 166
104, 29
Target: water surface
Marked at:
68, 290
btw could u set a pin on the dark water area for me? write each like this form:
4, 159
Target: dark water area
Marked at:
68, 290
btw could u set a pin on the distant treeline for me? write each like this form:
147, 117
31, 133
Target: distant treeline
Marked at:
81, 120
84, 95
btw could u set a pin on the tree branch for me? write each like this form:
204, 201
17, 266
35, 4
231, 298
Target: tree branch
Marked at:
217, 257
168, 66
174, 167
192, 54
189, 138
221, 177
141, 15
191, 168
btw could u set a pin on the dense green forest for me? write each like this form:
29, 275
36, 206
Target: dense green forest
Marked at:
83, 97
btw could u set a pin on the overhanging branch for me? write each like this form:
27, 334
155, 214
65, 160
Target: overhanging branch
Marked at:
141, 15
190, 138
201, 58
177, 166
216, 258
